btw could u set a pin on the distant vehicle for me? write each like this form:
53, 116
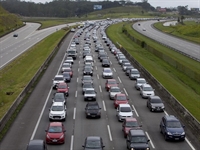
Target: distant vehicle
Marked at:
90, 94
63, 88
72, 53
120, 99
59, 97
154, 103
107, 73
143, 29
139, 82
15, 35
57, 79
113, 91
72, 30
109, 83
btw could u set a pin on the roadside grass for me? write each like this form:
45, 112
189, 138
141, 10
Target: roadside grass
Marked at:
17, 74
178, 84
190, 30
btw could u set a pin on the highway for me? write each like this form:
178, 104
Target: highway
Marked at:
33, 118
181, 45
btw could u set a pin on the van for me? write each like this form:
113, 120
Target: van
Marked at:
137, 139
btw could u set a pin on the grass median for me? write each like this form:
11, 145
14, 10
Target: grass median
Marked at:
183, 88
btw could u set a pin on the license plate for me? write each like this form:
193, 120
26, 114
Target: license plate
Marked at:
93, 115
176, 138
54, 140
89, 98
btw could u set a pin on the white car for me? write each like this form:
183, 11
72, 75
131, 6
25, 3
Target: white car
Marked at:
107, 73
125, 65
146, 90
57, 79
90, 94
88, 59
113, 91
69, 60
57, 111
124, 111
139, 82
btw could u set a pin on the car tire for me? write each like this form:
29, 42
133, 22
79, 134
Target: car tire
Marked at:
124, 135
165, 136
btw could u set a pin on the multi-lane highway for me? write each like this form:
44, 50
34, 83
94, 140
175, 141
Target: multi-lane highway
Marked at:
188, 48
33, 118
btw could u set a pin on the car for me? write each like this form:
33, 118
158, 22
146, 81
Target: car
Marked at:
66, 65
63, 88
120, 99
113, 91
72, 30
69, 70
137, 140
129, 123
139, 82
56, 80
67, 76
107, 73
59, 97
55, 133
146, 90
134, 74
109, 83
125, 65
90, 94
89, 64
88, 59
87, 79
88, 71
127, 71
15, 35
154, 103
72, 53
105, 63
36, 144
69, 60
124, 111
143, 29
85, 86
103, 56
171, 128
93, 142
93, 110
57, 111
85, 53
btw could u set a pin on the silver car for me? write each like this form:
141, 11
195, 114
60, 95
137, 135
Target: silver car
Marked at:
107, 73
90, 94
139, 82
134, 74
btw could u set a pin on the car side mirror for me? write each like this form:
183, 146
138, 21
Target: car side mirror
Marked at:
103, 146
83, 146
45, 130
183, 126
64, 130
128, 140
148, 140
49, 109
140, 125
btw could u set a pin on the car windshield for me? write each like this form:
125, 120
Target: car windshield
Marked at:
59, 96
69, 58
115, 90
138, 139
112, 82
134, 72
66, 65
125, 109
93, 107
89, 92
121, 98
93, 144
57, 108
148, 88
55, 129
173, 124
66, 74
141, 81
71, 52
132, 124
87, 69
156, 101
87, 86
62, 86
58, 78
105, 61
87, 78
107, 71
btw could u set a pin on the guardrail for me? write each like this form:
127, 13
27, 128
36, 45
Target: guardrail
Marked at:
186, 117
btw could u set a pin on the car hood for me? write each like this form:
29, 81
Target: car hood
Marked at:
92, 111
55, 135
139, 145
89, 94
175, 130
114, 93
126, 113
56, 112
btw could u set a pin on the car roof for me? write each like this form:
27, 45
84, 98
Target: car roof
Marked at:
93, 138
55, 124
130, 119
146, 85
89, 89
93, 103
141, 79
124, 105
106, 69
114, 87
171, 118
57, 104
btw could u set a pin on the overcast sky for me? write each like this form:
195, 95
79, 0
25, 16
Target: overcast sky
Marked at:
154, 3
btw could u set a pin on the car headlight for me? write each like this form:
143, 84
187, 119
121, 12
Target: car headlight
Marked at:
169, 133
163, 107
61, 136
183, 133
153, 106
147, 149
88, 113
48, 136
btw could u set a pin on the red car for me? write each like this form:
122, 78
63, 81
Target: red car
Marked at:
63, 88
68, 70
109, 83
120, 99
129, 123
55, 133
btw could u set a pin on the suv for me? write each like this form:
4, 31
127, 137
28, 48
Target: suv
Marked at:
57, 111
137, 140
171, 128
123, 111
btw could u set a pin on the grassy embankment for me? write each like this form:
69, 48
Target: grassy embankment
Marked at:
186, 90
190, 30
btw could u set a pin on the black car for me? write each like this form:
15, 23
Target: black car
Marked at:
171, 128
92, 109
154, 103
36, 144
88, 71
93, 142
67, 76
59, 97
105, 63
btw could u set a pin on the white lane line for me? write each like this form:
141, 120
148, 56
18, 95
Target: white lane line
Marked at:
109, 132
94, 61
119, 79
78, 69
125, 92
97, 76
111, 62
166, 113
114, 69
76, 94
77, 80
104, 106
96, 67
135, 111
192, 147
79, 62
37, 124
100, 88
150, 140
72, 142
74, 116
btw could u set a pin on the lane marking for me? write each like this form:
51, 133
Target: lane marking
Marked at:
97, 76
104, 106
72, 142
109, 132
100, 88
119, 79
74, 115
114, 69
78, 69
96, 67
111, 62
135, 111
150, 140
166, 113
125, 91
76, 94
191, 146
77, 80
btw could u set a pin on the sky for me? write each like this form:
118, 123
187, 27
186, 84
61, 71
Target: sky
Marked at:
154, 3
